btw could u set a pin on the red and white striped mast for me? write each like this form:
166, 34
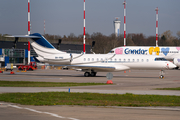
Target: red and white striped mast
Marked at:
124, 3
28, 17
29, 54
156, 26
84, 36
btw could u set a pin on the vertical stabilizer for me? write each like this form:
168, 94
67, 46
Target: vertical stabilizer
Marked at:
42, 47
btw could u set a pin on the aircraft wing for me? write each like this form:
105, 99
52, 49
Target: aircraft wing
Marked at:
105, 68
92, 67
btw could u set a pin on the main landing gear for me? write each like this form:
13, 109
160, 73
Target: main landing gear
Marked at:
88, 74
161, 74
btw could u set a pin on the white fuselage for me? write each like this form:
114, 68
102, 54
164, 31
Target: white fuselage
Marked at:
169, 53
118, 62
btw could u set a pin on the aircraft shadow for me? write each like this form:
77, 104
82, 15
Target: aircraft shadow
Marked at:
78, 75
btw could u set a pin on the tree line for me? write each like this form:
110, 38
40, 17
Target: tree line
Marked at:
103, 43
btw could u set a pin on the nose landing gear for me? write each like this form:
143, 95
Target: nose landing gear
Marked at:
161, 74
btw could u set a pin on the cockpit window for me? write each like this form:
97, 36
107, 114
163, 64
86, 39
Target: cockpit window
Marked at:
111, 52
160, 59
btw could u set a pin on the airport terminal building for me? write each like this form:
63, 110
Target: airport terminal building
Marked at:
17, 53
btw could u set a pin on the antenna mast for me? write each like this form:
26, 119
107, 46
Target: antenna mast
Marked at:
124, 3
156, 26
29, 54
84, 36
28, 17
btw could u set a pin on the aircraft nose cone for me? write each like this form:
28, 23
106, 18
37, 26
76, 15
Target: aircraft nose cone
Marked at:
171, 65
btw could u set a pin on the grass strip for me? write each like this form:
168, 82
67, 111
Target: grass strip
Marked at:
43, 84
178, 88
92, 99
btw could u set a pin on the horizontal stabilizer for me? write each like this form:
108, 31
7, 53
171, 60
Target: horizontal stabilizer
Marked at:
23, 36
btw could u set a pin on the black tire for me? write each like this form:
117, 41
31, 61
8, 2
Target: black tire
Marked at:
93, 74
161, 76
30, 69
20, 68
86, 74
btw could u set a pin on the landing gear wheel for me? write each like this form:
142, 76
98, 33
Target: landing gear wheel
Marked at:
161, 76
20, 68
93, 74
30, 69
86, 74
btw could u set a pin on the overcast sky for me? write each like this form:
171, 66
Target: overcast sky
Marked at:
66, 16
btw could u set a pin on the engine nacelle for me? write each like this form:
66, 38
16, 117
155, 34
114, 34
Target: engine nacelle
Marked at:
121, 68
176, 61
59, 59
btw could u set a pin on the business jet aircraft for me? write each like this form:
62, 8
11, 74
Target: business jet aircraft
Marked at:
169, 53
93, 63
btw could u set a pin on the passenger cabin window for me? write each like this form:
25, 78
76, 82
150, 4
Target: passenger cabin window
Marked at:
137, 60
160, 59
147, 60
120, 60
88, 59
84, 59
92, 59
97, 59
124, 60
133, 60
142, 60
128, 60
111, 52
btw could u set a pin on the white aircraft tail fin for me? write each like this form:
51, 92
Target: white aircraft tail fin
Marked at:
41, 46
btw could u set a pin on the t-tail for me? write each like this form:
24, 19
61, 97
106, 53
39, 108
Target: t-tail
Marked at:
41, 46
46, 51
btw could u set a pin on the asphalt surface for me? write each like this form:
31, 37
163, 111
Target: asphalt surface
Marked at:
135, 81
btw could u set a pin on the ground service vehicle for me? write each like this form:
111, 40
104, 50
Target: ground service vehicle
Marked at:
31, 66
